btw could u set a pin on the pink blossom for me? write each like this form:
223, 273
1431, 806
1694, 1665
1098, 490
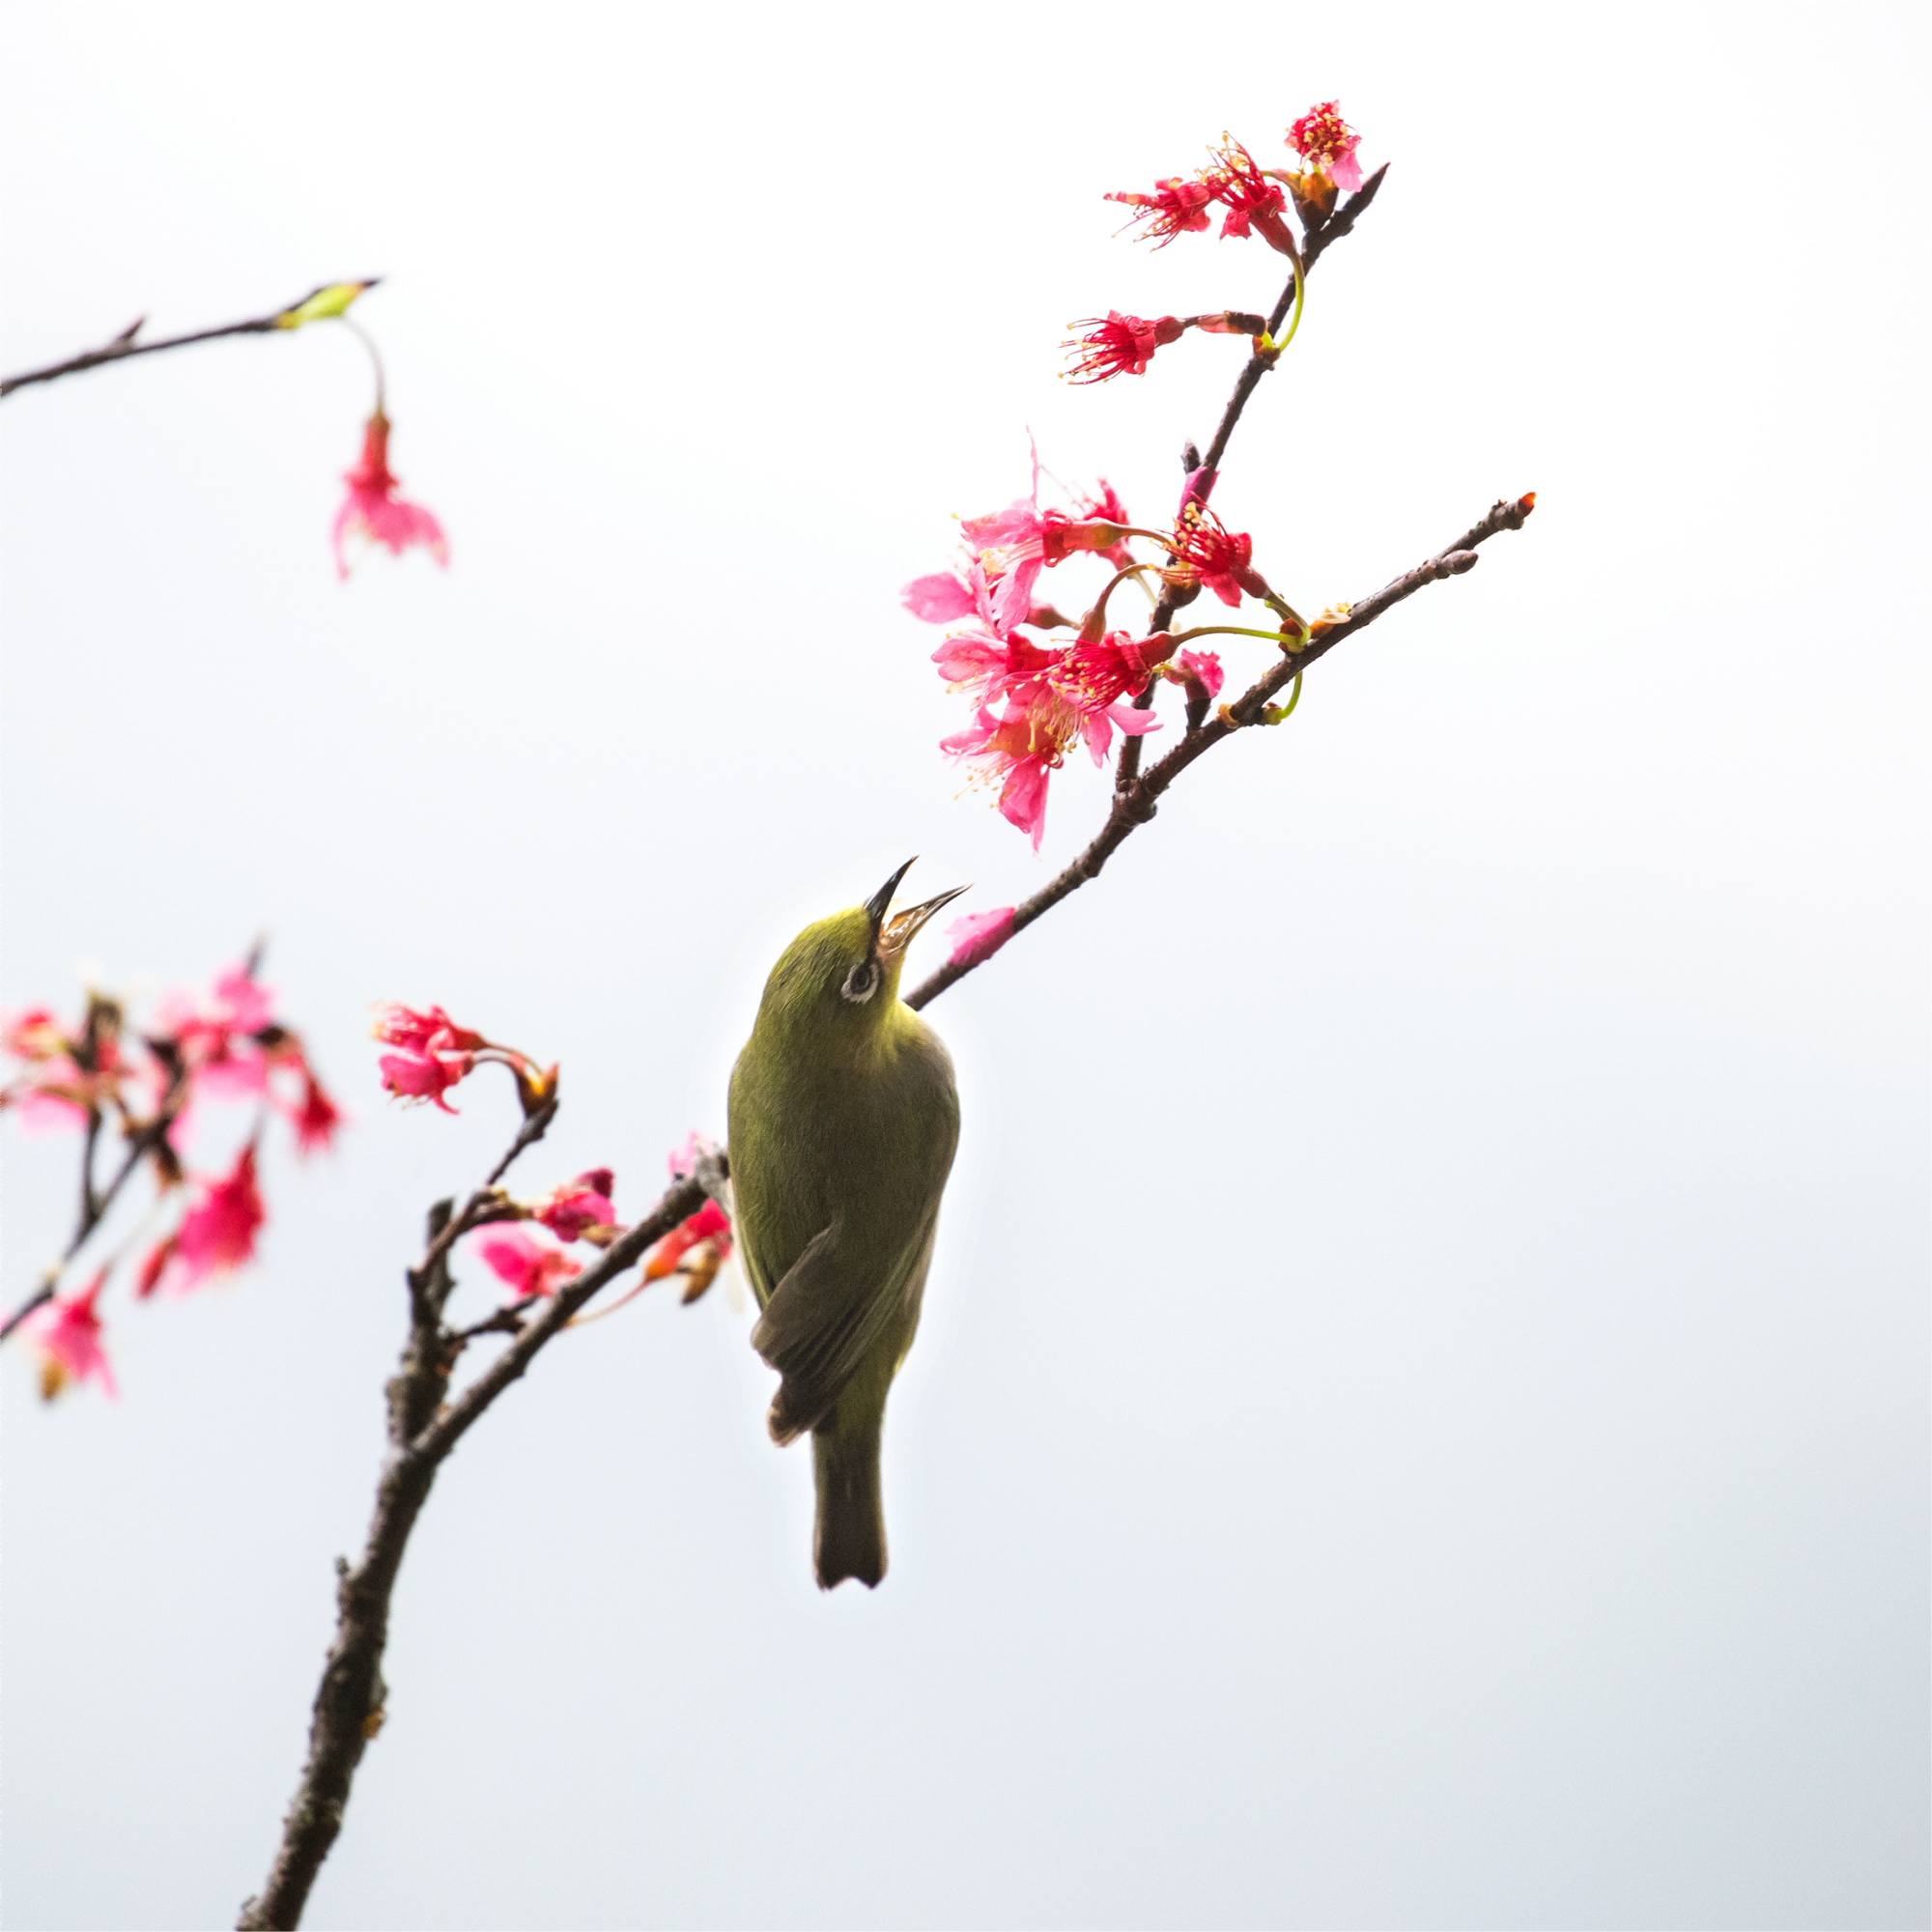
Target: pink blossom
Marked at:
316, 1116
939, 599
991, 668
531, 1266
42, 1112
435, 1052
580, 1204
425, 1076
1118, 345
398, 1025
218, 1035
1097, 726
372, 508
1220, 558
1014, 545
56, 1090
1255, 205
1096, 675
1202, 668
1174, 208
1007, 750
68, 1334
1327, 144
979, 935
217, 1233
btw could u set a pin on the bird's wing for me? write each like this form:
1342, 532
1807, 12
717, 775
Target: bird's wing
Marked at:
830, 1308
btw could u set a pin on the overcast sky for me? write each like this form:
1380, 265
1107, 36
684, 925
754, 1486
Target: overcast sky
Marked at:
1420, 1420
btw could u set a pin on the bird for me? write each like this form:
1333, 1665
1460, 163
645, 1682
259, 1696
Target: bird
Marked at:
844, 1118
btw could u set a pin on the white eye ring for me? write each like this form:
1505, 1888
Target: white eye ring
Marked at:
861, 982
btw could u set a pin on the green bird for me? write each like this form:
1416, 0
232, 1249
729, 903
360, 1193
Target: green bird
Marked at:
843, 1119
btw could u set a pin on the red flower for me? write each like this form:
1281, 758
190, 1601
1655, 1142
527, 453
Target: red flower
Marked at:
977, 936
1008, 750
710, 1224
579, 1205
1202, 668
1219, 559
217, 1234
1174, 207
398, 1025
1255, 205
316, 1116
67, 1331
1094, 676
425, 1076
1102, 504
1019, 749
527, 1264
373, 509
1327, 144
437, 1053
60, 1084
1118, 345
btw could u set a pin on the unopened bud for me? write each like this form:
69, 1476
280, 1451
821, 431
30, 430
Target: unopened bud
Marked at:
325, 304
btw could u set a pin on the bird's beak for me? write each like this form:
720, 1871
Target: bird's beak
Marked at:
876, 906
903, 927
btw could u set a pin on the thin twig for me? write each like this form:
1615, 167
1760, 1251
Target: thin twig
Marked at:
95, 1203
124, 348
1137, 805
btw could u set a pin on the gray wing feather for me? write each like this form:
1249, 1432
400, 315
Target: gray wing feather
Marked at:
825, 1315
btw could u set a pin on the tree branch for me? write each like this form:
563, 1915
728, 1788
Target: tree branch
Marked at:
125, 347
423, 1428
1133, 807
1315, 243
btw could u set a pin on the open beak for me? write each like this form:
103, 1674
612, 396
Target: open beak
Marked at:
891, 936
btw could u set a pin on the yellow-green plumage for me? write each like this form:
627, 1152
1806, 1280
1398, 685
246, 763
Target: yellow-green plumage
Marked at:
843, 1119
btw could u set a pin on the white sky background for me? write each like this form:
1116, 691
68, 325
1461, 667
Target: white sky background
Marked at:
1420, 1420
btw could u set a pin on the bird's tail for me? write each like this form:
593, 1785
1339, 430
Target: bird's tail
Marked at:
850, 1539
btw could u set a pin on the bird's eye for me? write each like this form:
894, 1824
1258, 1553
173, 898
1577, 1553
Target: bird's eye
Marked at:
861, 982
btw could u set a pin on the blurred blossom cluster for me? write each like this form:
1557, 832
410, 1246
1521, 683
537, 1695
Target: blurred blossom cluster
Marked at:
144, 1092
435, 1054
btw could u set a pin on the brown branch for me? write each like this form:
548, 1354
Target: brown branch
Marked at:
124, 348
1315, 241
423, 1427
1137, 805
95, 1202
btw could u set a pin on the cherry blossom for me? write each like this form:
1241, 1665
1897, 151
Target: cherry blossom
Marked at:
67, 1331
435, 1052
1102, 504
574, 1210
1255, 204
216, 1234
316, 1116
1218, 558
372, 508
979, 935
1096, 675
1202, 668
531, 1266
1327, 144
1118, 345
1174, 208
942, 598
